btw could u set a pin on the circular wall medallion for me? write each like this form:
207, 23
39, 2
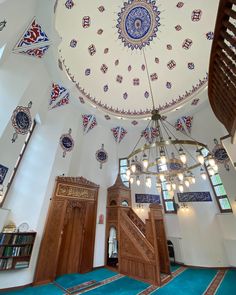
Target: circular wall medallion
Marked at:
101, 156
66, 142
21, 120
220, 153
138, 23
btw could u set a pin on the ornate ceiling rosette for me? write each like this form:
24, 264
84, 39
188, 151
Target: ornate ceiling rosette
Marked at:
138, 23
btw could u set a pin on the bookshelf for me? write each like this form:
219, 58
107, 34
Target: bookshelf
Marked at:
16, 249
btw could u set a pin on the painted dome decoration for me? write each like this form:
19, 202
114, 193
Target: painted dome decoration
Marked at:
107, 66
138, 23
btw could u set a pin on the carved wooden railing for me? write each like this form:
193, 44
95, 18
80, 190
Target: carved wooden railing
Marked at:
137, 257
222, 71
137, 221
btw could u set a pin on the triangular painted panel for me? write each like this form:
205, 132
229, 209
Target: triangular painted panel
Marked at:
56, 92
86, 119
93, 124
35, 52
89, 122
179, 125
123, 132
188, 122
33, 35
150, 133
63, 101
118, 133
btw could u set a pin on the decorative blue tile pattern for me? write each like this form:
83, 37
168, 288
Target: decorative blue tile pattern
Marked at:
147, 198
3, 172
138, 23
194, 197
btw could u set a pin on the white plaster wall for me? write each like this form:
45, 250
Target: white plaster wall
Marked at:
32, 188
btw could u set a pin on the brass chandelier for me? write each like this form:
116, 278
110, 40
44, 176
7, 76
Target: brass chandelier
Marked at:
166, 157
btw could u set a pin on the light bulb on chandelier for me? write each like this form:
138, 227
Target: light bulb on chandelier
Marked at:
187, 183
211, 161
138, 181
133, 166
200, 158
180, 176
203, 174
182, 155
181, 188
145, 161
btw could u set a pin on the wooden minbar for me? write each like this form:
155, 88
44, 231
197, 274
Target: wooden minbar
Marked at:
135, 248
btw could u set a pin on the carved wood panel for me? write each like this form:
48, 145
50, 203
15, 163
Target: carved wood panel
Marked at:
73, 208
49, 250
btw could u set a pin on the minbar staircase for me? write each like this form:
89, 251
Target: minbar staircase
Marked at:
222, 71
142, 247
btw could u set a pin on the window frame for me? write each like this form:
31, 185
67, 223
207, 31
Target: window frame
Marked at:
214, 190
164, 201
18, 161
120, 160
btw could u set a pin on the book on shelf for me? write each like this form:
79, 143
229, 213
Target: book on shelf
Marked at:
22, 264
15, 249
6, 263
16, 238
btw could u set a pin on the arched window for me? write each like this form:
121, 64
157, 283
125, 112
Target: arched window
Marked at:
124, 203
18, 161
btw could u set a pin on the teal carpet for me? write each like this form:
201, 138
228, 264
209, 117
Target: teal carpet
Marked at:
39, 290
228, 286
174, 267
191, 281
123, 286
67, 281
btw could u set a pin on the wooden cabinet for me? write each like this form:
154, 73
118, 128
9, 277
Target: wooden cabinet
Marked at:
68, 242
15, 250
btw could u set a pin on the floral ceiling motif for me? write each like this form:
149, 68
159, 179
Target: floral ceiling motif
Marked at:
105, 60
138, 23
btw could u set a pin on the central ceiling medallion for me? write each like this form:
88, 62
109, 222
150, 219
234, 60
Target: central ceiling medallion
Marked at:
138, 23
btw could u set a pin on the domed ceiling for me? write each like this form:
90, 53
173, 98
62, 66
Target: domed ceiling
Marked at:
121, 54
